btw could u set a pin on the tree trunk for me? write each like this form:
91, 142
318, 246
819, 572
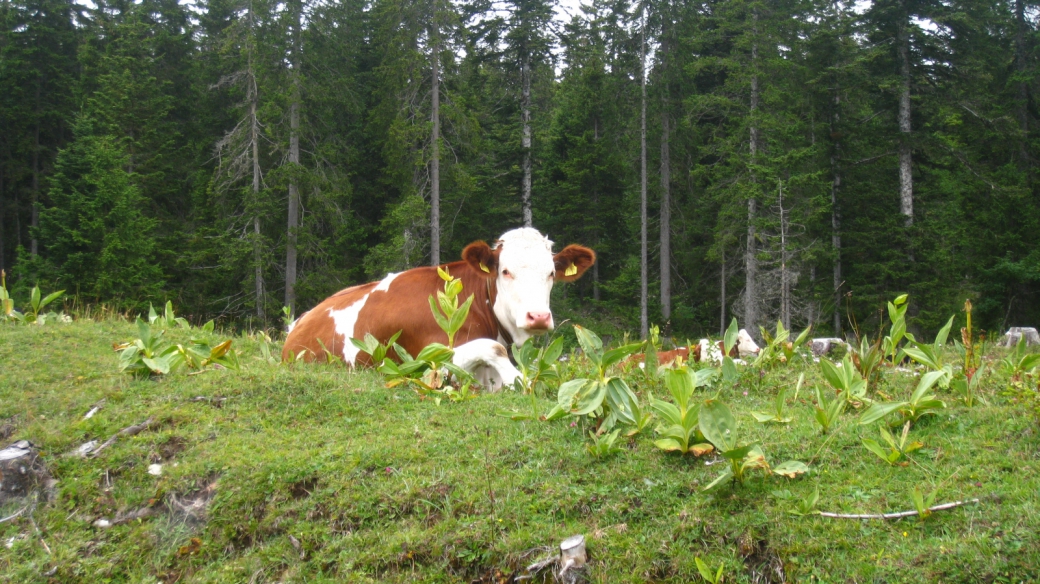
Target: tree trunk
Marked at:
666, 196
750, 259
3, 217
34, 221
906, 179
596, 229
836, 212
294, 161
666, 222
1022, 107
644, 324
785, 280
525, 120
812, 303
254, 140
435, 158
722, 296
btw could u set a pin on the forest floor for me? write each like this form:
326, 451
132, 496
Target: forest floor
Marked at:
317, 473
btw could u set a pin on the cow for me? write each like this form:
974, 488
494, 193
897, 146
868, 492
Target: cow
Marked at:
745, 347
510, 281
703, 350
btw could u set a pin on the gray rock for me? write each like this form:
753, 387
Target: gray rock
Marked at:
22, 471
824, 346
1017, 332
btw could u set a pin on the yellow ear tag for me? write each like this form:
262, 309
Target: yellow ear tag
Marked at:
485, 268
571, 270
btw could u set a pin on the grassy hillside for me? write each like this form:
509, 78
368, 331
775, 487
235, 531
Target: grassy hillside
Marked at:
315, 473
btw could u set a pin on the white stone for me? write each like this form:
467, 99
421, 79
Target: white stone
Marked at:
1017, 332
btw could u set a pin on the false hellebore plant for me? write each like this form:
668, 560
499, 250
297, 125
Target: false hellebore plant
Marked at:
679, 430
720, 428
608, 399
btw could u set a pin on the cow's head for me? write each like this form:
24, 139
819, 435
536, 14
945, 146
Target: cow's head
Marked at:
524, 269
746, 345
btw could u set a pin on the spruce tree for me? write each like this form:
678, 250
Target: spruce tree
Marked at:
98, 241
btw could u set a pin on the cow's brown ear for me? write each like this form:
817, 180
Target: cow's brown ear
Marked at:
482, 258
572, 261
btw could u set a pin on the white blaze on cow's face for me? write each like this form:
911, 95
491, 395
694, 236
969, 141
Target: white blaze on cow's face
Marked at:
525, 269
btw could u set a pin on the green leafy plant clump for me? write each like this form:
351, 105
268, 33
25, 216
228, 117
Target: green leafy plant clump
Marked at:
151, 354
37, 303
679, 430
606, 398
718, 425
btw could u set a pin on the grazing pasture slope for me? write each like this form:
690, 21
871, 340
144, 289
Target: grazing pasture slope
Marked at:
317, 473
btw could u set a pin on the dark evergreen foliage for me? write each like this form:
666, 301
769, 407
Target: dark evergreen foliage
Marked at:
127, 156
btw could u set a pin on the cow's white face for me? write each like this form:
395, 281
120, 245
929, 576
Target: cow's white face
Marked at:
746, 346
525, 269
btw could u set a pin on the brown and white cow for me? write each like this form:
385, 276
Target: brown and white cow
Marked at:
703, 350
745, 347
510, 282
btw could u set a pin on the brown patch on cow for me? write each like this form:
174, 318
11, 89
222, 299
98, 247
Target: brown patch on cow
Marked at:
578, 256
734, 352
499, 350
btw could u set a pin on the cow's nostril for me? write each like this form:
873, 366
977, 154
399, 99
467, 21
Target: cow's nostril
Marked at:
539, 319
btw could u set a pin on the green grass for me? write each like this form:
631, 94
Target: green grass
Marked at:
377, 485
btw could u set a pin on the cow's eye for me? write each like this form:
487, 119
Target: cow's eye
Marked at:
506, 273
551, 275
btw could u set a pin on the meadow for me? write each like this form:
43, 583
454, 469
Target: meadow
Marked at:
257, 471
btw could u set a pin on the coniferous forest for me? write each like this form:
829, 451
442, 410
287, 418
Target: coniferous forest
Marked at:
800, 160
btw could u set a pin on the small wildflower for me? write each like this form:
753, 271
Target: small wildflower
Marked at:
905, 534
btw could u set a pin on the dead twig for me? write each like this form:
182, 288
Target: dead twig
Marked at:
899, 515
129, 431
134, 515
122, 518
38, 532
15, 515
